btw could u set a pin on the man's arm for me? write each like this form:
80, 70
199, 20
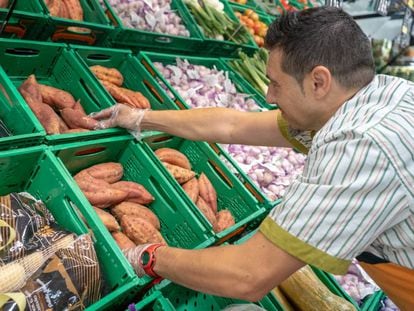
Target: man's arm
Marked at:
221, 125
247, 271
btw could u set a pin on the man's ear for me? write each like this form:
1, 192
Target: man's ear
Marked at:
321, 79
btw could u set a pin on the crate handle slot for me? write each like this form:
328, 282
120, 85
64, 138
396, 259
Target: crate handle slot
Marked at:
220, 172
74, 209
18, 31
160, 139
153, 91
164, 40
231, 235
94, 150
64, 33
98, 57
22, 51
90, 93
165, 196
111, 16
253, 191
180, 104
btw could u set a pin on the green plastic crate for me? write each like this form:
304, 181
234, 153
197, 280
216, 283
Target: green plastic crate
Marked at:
94, 20
53, 64
135, 78
37, 171
153, 302
179, 226
27, 21
25, 130
263, 17
370, 303
136, 39
213, 47
184, 299
233, 166
231, 194
146, 60
250, 4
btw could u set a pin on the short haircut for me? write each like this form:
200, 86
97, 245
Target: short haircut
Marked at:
324, 36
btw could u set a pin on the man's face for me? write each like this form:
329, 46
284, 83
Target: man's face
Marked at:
293, 100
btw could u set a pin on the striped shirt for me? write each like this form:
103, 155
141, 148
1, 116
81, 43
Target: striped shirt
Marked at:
356, 193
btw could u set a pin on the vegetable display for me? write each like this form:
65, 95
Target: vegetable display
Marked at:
215, 23
356, 283
200, 190
200, 86
56, 109
70, 9
154, 16
253, 69
273, 169
251, 20
103, 187
112, 80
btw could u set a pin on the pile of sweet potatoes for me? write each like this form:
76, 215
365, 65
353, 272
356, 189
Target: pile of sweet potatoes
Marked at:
71, 9
120, 204
56, 109
200, 191
112, 80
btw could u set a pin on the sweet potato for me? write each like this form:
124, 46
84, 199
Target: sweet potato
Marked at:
206, 210
56, 98
54, 7
207, 192
119, 94
173, 157
4, 3
224, 220
110, 75
110, 172
64, 12
108, 220
31, 93
144, 102
136, 192
182, 175
79, 107
122, 240
135, 210
104, 198
75, 119
192, 189
31, 87
99, 192
140, 231
74, 9
62, 125
46, 115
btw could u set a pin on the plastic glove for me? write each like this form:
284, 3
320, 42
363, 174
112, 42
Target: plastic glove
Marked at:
134, 257
119, 115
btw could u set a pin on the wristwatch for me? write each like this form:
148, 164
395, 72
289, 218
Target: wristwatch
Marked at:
147, 260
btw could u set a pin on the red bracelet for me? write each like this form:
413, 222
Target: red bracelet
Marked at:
147, 260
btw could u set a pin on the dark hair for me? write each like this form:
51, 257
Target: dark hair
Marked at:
324, 36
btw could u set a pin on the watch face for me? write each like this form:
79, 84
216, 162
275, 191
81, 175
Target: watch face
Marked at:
145, 257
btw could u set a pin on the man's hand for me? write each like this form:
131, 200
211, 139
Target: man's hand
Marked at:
119, 115
135, 254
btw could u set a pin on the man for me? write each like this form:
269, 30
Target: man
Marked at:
355, 196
